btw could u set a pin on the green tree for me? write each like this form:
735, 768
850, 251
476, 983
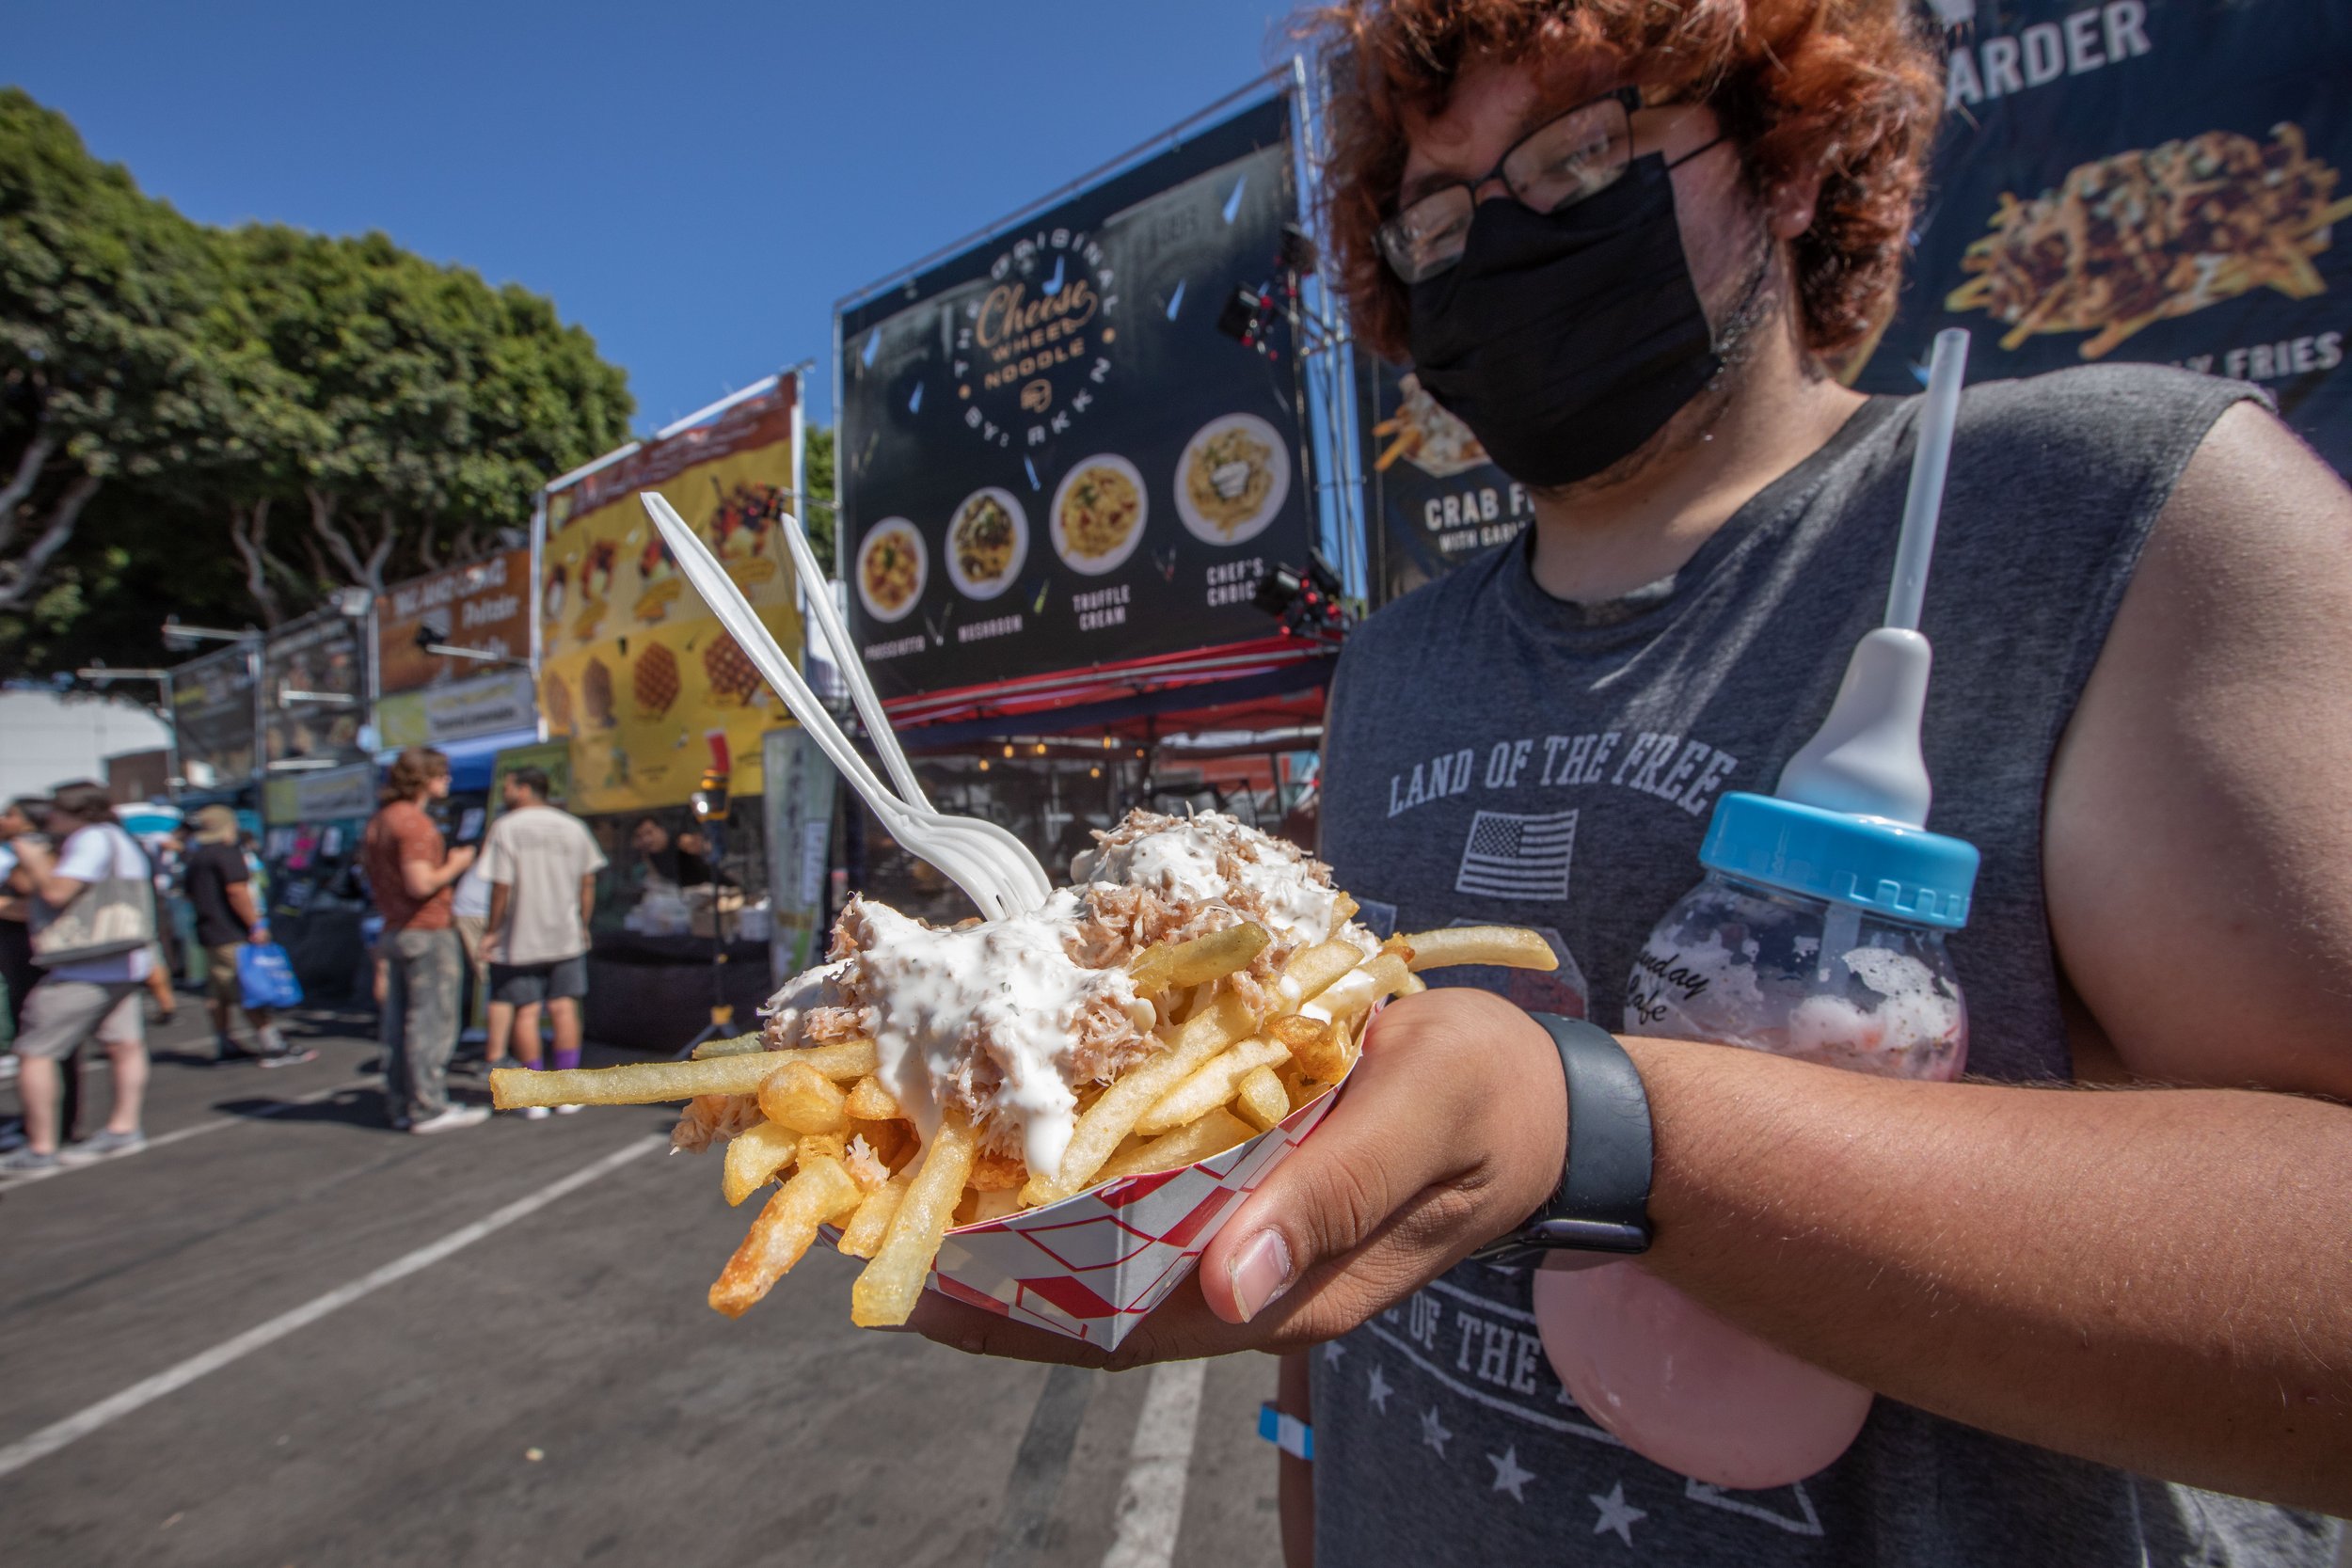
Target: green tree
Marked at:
817, 510
104, 377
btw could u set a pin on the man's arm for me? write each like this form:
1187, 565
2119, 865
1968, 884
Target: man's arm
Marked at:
241, 904
501, 903
37, 863
423, 878
587, 900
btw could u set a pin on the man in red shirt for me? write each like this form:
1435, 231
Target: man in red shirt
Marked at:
410, 871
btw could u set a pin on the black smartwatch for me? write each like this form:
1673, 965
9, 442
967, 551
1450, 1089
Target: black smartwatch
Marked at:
1602, 1202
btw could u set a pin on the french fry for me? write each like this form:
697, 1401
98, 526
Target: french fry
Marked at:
1213, 1133
1509, 946
1211, 1087
820, 1145
802, 1098
1263, 1099
651, 1083
1381, 976
741, 1045
1113, 1116
892, 1282
870, 1101
753, 1158
863, 1233
1325, 1054
1313, 970
818, 1192
1176, 965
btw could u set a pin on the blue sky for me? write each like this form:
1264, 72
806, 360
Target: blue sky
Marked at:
696, 185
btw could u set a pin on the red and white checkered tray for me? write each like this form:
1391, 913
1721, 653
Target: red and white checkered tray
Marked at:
1092, 1265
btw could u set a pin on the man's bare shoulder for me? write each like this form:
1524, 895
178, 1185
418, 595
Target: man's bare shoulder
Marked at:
2197, 855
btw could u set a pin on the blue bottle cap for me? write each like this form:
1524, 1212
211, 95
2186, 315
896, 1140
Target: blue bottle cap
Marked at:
1901, 872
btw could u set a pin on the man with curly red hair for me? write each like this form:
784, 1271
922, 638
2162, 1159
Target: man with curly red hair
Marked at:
1628, 242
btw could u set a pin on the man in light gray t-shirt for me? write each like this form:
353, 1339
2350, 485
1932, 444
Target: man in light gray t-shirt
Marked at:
542, 864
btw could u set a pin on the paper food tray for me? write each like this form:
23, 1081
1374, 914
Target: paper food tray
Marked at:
1092, 1265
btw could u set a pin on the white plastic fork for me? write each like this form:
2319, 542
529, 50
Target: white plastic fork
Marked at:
946, 842
1021, 868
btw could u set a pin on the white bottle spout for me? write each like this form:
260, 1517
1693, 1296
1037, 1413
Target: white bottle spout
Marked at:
1866, 759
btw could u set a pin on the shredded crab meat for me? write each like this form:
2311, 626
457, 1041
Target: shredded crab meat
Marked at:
710, 1118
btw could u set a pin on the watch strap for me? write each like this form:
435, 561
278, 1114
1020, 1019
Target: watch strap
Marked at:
1602, 1202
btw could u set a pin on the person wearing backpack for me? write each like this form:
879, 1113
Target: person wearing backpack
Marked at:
93, 932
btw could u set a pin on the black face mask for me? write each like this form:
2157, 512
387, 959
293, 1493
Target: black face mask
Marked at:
1567, 341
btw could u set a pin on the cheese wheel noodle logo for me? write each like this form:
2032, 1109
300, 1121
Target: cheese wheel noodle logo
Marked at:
1033, 348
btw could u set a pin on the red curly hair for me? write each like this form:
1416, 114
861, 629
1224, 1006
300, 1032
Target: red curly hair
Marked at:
1850, 89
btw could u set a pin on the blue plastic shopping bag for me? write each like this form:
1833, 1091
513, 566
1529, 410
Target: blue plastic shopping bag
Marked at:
265, 976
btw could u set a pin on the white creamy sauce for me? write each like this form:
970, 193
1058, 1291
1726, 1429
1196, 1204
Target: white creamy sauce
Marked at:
1351, 992
1005, 986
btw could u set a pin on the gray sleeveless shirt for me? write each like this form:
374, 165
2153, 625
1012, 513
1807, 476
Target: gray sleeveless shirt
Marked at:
1497, 754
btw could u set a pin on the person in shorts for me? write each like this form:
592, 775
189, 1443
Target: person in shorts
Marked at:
228, 918
89, 998
542, 863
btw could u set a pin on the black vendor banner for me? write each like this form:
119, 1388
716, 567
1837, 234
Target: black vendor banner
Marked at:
1051, 456
1432, 498
2149, 180
314, 690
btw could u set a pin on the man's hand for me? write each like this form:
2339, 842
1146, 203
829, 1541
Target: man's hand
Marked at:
258, 934
460, 860
1452, 1131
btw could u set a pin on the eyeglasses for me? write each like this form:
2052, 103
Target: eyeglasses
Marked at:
1557, 165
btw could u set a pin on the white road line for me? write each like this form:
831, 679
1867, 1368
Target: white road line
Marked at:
1152, 1498
180, 1134
49, 1439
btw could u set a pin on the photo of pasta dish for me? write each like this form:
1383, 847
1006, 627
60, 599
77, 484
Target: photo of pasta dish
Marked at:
1229, 477
2143, 236
890, 569
1232, 479
984, 539
1100, 512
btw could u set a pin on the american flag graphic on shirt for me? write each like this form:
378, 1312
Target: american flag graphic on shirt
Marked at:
1511, 856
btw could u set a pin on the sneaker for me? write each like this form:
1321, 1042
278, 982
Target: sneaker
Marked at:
102, 1145
455, 1116
11, 1134
292, 1057
25, 1162
569, 1110
535, 1113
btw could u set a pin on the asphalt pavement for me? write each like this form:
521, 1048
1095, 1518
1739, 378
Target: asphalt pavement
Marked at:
287, 1335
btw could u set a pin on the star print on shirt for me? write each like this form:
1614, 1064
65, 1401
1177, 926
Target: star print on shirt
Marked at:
1433, 1430
1508, 1476
1616, 1513
1332, 1352
1377, 1390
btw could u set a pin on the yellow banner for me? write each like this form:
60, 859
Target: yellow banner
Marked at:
634, 669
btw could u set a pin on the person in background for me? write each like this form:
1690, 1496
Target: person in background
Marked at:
666, 861
75, 1002
226, 918
163, 874
409, 872
17, 973
542, 864
469, 909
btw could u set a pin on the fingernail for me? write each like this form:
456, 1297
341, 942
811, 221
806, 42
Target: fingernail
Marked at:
1261, 1274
